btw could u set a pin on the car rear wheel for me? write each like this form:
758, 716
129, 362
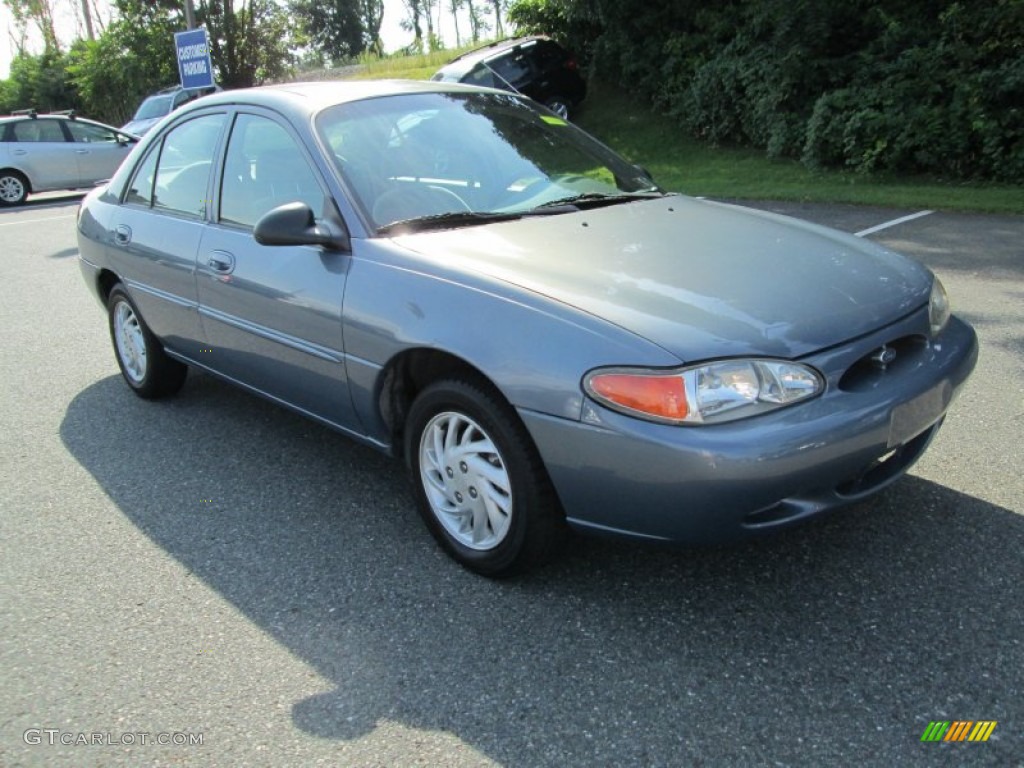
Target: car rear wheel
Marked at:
13, 188
145, 366
479, 483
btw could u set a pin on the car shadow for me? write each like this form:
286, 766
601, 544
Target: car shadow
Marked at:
64, 253
45, 200
842, 638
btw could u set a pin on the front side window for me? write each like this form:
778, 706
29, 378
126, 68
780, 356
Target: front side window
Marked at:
87, 133
264, 168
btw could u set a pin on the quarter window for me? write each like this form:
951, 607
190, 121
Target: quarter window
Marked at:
140, 191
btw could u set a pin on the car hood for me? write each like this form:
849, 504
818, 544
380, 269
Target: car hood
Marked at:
139, 127
700, 279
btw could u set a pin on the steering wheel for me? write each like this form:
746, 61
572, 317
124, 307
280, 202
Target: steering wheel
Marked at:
413, 200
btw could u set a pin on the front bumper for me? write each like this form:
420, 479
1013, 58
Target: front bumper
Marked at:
623, 476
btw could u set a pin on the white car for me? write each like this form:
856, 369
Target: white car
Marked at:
40, 153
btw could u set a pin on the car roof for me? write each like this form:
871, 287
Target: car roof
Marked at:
493, 49
312, 97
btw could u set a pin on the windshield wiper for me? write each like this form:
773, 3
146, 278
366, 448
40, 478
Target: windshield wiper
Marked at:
598, 199
454, 219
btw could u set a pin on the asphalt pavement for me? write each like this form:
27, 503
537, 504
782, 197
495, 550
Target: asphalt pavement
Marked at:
215, 569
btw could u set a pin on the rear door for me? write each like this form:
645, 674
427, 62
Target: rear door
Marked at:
158, 226
272, 314
41, 150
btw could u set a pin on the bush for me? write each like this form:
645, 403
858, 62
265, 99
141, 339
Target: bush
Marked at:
909, 86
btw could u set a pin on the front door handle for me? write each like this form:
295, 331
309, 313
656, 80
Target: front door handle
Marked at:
81, 151
122, 234
221, 262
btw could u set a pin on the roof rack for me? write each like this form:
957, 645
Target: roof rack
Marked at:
34, 113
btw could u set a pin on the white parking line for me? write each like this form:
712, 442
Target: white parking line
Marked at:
893, 223
33, 221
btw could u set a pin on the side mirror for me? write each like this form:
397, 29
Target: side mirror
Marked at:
295, 224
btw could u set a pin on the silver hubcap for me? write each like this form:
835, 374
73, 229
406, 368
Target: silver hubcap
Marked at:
560, 108
11, 189
466, 482
131, 345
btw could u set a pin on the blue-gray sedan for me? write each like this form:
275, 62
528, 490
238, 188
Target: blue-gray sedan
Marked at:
463, 279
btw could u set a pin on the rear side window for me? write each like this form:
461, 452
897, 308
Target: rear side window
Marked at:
175, 176
38, 131
512, 69
548, 55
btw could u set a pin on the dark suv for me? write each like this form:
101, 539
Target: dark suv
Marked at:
535, 66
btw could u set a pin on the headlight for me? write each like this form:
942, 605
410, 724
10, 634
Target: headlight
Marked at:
938, 307
704, 394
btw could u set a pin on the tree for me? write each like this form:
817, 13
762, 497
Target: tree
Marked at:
334, 27
499, 29
249, 44
371, 13
477, 25
413, 23
132, 58
38, 13
453, 6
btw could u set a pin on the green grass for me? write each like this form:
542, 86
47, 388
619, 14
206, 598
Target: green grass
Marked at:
680, 163
407, 67
683, 164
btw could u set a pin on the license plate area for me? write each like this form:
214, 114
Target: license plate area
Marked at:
913, 417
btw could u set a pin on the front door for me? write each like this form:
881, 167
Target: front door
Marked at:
272, 314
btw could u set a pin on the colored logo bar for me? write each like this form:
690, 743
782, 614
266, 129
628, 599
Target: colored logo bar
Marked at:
958, 730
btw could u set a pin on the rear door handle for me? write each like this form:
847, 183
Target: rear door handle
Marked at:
81, 151
20, 152
221, 262
122, 234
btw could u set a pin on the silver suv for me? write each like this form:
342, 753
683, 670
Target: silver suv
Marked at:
39, 153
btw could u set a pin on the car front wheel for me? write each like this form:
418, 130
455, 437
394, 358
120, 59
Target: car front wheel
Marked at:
479, 483
145, 366
13, 188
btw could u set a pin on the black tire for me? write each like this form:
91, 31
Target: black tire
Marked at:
532, 529
13, 188
145, 366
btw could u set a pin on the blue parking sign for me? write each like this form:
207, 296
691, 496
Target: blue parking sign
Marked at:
194, 65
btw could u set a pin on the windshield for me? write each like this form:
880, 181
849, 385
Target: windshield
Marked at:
154, 106
425, 156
